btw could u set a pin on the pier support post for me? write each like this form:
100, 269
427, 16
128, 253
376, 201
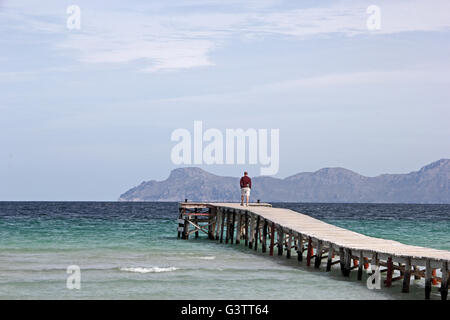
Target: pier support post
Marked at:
416, 275
243, 217
342, 260
238, 228
280, 240
211, 223
407, 276
345, 257
330, 257
264, 237
295, 238
222, 224
233, 219
319, 249
348, 260
289, 243
256, 237
300, 247
272, 239
390, 269
444, 280
428, 280
309, 253
180, 225
186, 228
230, 226
246, 229
360, 265
196, 222
218, 220
227, 232
374, 262
252, 231
210, 236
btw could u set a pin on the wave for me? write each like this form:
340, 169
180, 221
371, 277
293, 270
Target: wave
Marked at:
207, 258
149, 270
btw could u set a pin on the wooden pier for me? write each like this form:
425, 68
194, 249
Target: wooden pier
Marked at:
261, 226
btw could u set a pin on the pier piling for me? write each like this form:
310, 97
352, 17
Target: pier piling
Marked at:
280, 241
238, 228
407, 276
309, 252
256, 237
264, 236
288, 245
300, 248
272, 239
318, 260
390, 270
360, 265
444, 280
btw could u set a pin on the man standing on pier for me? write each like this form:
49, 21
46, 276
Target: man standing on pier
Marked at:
246, 185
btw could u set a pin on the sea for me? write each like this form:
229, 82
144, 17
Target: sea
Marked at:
130, 250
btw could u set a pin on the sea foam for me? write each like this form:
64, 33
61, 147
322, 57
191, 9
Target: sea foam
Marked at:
148, 270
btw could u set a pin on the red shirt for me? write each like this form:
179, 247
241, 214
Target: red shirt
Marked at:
246, 182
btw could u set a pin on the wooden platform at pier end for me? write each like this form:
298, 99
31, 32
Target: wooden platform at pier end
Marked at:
288, 231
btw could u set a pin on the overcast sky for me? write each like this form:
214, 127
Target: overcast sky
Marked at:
86, 114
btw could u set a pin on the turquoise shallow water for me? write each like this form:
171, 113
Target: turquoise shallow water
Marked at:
130, 251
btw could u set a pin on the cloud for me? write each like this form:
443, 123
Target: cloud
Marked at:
159, 54
181, 35
323, 81
403, 76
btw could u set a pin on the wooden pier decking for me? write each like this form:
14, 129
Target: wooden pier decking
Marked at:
288, 230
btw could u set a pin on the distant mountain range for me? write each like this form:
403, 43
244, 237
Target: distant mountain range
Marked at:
431, 184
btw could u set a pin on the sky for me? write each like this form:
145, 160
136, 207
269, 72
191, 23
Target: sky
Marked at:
86, 114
